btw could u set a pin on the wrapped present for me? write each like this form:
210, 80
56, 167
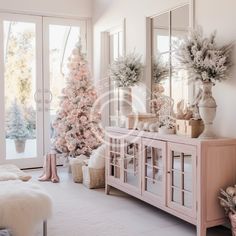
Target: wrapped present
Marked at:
76, 168
190, 128
93, 178
94, 169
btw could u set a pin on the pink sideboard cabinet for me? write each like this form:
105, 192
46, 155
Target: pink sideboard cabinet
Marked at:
179, 175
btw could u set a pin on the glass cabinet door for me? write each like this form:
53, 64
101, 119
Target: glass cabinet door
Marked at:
131, 162
181, 178
114, 155
154, 159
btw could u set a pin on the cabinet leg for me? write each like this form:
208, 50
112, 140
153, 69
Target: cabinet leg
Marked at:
107, 189
201, 231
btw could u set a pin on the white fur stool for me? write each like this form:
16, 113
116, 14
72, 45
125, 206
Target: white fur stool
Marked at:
23, 206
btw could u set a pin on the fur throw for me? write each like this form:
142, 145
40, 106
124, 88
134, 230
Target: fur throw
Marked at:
23, 206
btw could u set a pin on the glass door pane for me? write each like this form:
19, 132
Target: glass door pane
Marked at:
21, 89
154, 156
20, 78
181, 182
115, 158
61, 36
132, 163
180, 87
182, 172
161, 48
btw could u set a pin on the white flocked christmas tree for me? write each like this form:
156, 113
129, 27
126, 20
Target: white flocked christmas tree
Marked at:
16, 126
77, 124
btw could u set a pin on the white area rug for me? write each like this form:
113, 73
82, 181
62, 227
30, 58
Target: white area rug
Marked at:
12, 172
23, 206
79, 211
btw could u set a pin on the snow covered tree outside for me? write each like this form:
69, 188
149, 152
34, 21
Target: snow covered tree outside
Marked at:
19, 55
77, 122
16, 126
20, 84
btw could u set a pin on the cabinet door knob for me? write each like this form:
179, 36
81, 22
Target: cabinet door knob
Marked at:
168, 172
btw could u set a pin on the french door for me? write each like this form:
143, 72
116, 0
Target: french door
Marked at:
60, 37
34, 52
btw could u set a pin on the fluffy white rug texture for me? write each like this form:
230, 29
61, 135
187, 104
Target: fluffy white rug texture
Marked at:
23, 206
12, 172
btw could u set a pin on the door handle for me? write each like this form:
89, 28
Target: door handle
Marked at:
48, 101
36, 95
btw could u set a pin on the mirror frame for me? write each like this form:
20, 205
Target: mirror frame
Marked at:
149, 53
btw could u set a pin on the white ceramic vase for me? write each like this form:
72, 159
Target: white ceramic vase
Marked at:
125, 96
125, 104
207, 110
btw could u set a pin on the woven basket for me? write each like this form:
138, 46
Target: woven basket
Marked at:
93, 178
76, 169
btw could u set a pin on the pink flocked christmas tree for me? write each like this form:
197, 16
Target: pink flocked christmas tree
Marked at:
76, 125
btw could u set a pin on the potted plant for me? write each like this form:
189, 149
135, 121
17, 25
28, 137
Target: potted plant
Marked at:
126, 72
16, 127
167, 125
208, 63
228, 202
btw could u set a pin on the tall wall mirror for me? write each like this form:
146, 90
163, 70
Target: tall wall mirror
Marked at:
166, 32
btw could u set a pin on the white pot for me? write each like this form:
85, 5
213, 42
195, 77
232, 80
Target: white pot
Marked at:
125, 104
207, 110
125, 100
20, 145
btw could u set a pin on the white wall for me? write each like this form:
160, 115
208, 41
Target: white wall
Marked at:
76, 8
220, 15
211, 14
